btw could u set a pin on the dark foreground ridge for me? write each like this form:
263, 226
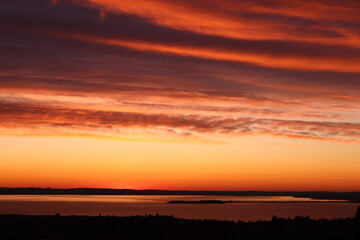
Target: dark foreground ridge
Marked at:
168, 227
350, 196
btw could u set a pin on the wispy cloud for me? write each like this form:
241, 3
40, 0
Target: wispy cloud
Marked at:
207, 67
32, 117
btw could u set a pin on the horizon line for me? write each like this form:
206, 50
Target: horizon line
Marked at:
166, 190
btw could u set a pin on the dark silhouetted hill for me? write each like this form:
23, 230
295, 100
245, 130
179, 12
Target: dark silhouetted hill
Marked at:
167, 227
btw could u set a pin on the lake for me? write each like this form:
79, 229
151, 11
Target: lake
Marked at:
247, 208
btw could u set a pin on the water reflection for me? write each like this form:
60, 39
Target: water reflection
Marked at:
249, 208
152, 198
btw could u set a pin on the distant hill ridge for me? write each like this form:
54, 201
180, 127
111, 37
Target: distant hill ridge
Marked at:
351, 196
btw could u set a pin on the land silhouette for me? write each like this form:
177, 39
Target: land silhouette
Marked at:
349, 196
168, 227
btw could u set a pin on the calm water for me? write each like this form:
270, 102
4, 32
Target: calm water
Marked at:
250, 208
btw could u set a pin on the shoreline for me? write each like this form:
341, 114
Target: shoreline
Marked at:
316, 195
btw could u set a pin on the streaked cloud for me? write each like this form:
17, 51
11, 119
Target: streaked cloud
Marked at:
200, 68
37, 117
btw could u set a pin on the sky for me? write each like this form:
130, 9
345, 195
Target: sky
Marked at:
180, 95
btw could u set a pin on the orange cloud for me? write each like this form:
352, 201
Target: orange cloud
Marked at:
146, 54
244, 20
23, 116
273, 61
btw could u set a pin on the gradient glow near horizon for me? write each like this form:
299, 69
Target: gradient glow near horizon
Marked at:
190, 95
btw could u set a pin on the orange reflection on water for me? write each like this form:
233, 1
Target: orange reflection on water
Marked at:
141, 205
153, 198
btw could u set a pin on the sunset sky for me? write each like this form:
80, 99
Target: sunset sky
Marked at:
180, 94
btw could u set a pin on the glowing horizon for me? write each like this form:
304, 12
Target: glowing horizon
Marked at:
180, 95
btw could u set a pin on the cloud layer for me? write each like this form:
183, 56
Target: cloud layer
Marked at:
205, 68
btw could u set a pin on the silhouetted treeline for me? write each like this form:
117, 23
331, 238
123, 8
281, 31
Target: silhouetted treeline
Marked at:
167, 227
351, 196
